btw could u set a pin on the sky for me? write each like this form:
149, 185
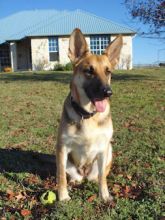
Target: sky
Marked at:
145, 51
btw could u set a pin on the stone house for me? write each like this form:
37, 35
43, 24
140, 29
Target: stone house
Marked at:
39, 39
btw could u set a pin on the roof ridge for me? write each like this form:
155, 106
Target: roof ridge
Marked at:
104, 19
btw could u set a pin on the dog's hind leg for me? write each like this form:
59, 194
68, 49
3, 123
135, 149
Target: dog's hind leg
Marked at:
73, 173
93, 175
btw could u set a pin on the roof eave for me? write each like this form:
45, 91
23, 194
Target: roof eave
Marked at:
67, 34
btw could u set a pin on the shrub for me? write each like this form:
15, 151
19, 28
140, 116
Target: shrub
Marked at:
60, 67
69, 67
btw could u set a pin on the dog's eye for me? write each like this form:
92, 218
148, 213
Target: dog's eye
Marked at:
89, 71
108, 71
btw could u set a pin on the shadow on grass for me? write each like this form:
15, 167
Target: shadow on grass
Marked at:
125, 76
65, 77
18, 161
60, 77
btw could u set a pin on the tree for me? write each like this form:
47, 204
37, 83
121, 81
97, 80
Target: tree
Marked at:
151, 13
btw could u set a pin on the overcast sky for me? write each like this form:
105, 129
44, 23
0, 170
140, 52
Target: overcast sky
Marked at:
144, 50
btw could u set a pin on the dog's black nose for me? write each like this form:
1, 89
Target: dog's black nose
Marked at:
107, 91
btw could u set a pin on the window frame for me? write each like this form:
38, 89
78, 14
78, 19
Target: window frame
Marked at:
53, 46
98, 43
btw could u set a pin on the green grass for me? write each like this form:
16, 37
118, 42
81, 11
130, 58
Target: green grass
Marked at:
30, 109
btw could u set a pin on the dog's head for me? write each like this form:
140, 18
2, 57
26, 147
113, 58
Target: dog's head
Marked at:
92, 73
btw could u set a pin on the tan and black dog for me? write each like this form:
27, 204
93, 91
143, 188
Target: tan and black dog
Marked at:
83, 146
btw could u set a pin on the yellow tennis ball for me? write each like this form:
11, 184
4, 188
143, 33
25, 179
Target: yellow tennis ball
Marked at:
48, 198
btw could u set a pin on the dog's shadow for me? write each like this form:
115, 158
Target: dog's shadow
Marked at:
18, 161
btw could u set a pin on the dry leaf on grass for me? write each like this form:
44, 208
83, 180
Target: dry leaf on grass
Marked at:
25, 212
10, 194
20, 145
21, 196
91, 198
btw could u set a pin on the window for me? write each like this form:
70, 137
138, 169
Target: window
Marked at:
99, 43
53, 49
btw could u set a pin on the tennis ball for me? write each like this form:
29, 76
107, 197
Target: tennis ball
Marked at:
48, 198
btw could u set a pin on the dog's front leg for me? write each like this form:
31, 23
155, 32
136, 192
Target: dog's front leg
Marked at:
103, 188
61, 174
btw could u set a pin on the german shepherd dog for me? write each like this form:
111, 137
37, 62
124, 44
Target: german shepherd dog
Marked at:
84, 139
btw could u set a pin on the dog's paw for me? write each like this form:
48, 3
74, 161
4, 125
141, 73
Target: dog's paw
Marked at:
76, 181
63, 196
106, 196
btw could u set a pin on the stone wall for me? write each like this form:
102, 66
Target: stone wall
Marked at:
126, 53
40, 53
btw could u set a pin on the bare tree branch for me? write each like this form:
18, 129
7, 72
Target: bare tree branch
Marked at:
149, 12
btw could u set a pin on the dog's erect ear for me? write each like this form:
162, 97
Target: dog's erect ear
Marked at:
113, 50
77, 45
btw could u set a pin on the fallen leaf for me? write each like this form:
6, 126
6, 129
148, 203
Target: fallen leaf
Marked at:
112, 204
50, 184
12, 218
25, 212
162, 108
17, 132
120, 175
50, 139
21, 144
134, 184
10, 194
162, 158
33, 202
116, 189
127, 189
91, 198
147, 165
20, 196
127, 124
129, 177
32, 179
117, 153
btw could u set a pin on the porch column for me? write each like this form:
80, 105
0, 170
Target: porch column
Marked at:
13, 55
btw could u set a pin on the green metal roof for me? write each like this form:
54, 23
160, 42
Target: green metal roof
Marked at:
52, 22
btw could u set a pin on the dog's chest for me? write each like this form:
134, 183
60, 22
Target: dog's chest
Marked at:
87, 142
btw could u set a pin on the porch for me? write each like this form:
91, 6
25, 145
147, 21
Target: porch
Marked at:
16, 55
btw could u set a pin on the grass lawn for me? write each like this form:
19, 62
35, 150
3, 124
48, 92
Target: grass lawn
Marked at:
30, 109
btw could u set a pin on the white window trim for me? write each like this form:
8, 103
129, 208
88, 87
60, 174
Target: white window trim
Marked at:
100, 39
57, 47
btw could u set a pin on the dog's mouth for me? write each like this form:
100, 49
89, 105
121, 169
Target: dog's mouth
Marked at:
98, 93
100, 105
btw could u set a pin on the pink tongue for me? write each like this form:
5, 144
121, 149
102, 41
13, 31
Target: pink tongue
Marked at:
100, 105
